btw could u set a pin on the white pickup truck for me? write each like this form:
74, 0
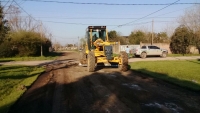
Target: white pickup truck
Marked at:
150, 50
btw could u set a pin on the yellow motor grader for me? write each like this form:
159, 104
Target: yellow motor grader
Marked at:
98, 50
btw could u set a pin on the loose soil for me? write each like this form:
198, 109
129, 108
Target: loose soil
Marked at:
66, 87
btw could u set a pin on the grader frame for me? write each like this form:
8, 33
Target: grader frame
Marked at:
98, 50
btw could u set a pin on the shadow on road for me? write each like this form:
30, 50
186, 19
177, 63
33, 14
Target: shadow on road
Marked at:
6, 60
111, 92
164, 77
54, 54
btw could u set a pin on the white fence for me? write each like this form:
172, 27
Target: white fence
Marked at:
123, 47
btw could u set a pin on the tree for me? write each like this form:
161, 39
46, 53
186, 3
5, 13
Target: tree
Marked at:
191, 19
27, 36
7, 50
136, 37
28, 43
115, 36
82, 42
18, 23
161, 37
181, 40
112, 35
122, 40
4, 28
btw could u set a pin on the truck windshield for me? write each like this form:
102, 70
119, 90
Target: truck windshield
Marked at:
99, 34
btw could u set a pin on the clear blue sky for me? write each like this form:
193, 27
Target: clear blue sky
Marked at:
110, 15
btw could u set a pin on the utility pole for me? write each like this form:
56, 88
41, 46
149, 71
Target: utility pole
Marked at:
41, 38
152, 33
78, 43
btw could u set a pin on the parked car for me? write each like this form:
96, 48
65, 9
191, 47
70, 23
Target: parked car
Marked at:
150, 50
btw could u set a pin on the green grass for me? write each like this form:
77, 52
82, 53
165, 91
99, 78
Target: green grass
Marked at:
185, 73
50, 56
26, 58
179, 55
11, 78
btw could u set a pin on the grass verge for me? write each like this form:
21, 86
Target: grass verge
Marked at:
184, 73
50, 56
12, 78
179, 55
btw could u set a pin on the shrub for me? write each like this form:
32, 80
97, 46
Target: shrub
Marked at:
7, 49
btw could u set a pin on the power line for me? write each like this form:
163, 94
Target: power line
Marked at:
98, 18
9, 5
97, 24
6, 3
92, 3
148, 14
76, 23
172, 11
24, 10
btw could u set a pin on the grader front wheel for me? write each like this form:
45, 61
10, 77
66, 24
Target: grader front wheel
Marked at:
124, 61
91, 61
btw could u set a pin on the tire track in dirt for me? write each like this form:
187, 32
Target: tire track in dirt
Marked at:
57, 97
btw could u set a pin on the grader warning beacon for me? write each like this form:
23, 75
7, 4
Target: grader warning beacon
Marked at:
99, 50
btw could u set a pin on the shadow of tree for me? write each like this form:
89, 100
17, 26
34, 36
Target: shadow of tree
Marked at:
5, 60
54, 54
20, 76
15, 69
8, 68
182, 83
194, 61
107, 93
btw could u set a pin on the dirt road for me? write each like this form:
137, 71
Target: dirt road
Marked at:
67, 88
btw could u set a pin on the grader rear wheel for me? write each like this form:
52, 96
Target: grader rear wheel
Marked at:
124, 60
91, 61
83, 57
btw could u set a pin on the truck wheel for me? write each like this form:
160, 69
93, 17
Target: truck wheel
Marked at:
143, 55
164, 54
91, 61
124, 60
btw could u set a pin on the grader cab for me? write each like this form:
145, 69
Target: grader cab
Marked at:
98, 50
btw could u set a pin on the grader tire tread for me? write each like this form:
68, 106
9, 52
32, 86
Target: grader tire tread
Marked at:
124, 65
91, 61
83, 57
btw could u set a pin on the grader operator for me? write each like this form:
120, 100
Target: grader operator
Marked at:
98, 50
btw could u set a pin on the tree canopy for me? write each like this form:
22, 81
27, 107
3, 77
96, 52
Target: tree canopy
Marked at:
180, 40
115, 36
22, 41
136, 37
4, 28
190, 19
